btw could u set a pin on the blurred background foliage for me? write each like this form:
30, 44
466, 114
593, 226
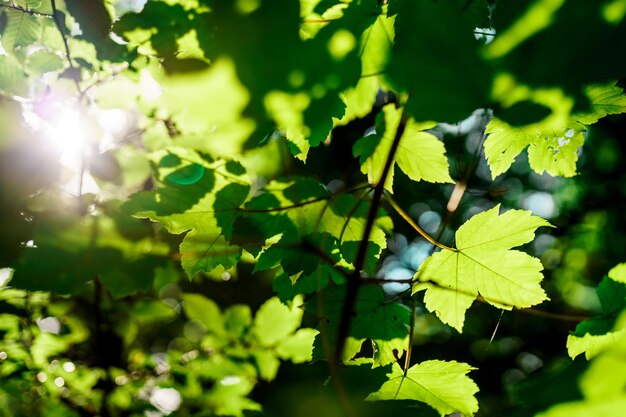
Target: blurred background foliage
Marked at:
104, 100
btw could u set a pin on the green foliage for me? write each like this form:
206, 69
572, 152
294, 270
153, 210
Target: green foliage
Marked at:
189, 187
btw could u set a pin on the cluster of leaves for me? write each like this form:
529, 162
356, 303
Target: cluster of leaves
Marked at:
223, 141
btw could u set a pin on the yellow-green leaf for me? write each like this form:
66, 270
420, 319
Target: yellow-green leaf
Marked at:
442, 385
483, 264
618, 273
275, 321
611, 408
420, 155
554, 151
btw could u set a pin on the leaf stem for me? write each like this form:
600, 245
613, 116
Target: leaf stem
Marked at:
414, 225
359, 260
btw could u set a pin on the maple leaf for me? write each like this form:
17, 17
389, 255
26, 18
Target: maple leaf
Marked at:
484, 265
443, 385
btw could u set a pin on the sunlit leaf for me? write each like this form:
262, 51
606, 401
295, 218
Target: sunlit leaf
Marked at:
420, 155
618, 273
275, 321
484, 264
444, 386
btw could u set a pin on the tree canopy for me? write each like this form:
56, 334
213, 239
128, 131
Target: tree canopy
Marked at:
346, 207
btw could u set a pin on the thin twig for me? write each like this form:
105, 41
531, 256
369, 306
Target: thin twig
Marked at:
27, 11
303, 203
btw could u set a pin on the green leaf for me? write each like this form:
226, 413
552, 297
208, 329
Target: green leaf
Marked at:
152, 311
302, 258
299, 347
382, 321
444, 386
591, 345
618, 273
359, 100
606, 376
557, 155
286, 289
605, 99
22, 29
604, 408
389, 351
198, 196
43, 61
555, 152
267, 364
68, 255
420, 155
602, 384
275, 321
346, 221
198, 307
483, 264
377, 318
376, 43
204, 249
237, 320
95, 25
595, 335
13, 81
437, 60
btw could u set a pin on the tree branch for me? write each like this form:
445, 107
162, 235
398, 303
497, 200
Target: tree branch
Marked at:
23, 10
359, 261
61, 29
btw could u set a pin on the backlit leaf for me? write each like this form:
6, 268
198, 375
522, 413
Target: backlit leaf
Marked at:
275, 321
555, 152
444, 386
420, 155
484, 264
